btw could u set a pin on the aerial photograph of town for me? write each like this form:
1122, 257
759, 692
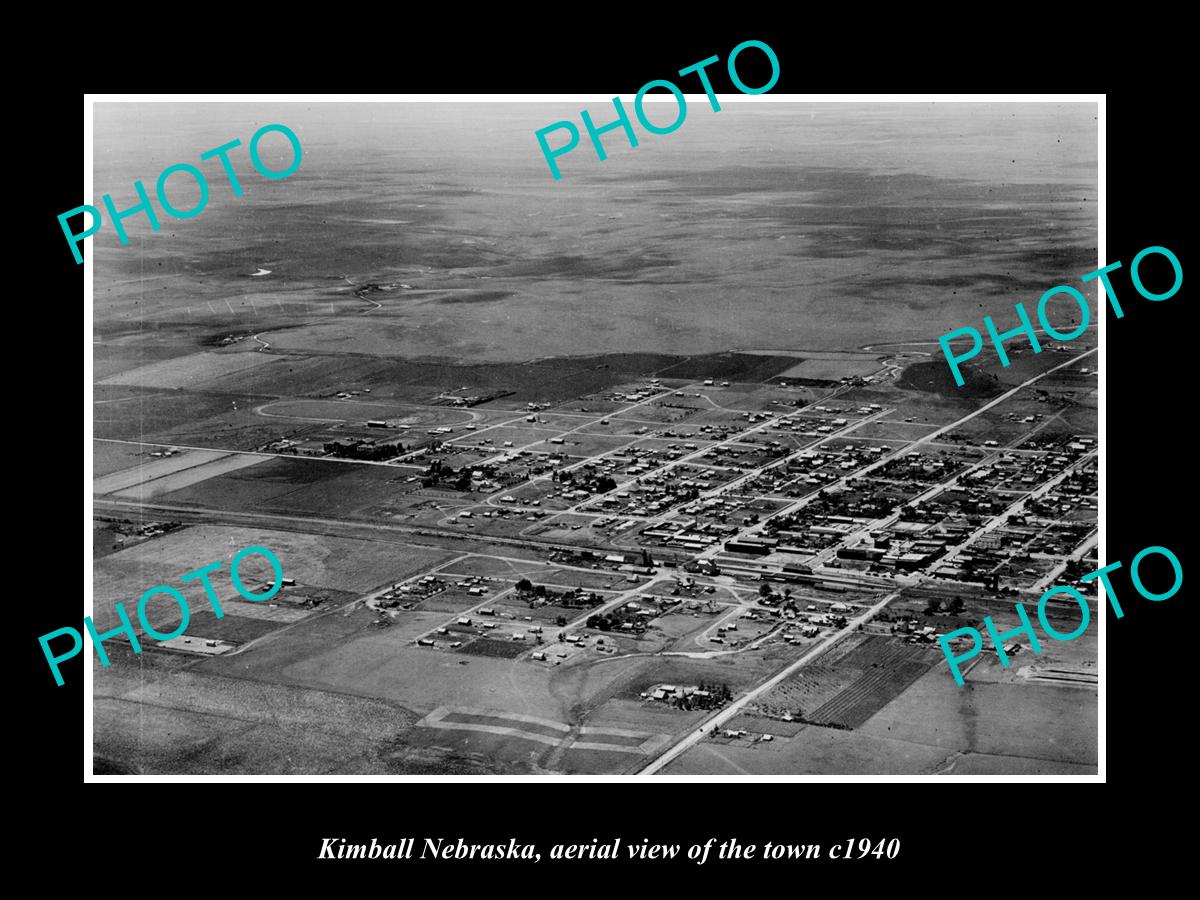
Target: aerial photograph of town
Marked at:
657, 468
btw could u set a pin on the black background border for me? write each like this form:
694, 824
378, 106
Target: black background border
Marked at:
981, 830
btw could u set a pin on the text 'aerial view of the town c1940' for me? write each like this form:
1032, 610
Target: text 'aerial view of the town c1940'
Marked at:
654, 468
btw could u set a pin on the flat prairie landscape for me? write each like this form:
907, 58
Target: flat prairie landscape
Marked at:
770, 225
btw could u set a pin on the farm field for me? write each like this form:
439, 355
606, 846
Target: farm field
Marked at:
169, 482
192, 371
140, 468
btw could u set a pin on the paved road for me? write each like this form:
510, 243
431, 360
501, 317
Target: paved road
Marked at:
722, 716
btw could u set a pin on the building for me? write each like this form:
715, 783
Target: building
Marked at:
754, 546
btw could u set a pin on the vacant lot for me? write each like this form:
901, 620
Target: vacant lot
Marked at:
193, 722
316, 560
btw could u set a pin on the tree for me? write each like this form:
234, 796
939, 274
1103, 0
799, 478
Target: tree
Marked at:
561, 621
524, 585
955, 606
764, 590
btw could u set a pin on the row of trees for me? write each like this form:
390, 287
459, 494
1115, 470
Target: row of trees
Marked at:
606, 622
717, 695
721, 691
363, 450
539, 592
440, 473
601, 484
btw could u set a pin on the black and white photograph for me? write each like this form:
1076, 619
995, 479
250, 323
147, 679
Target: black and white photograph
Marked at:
454, 436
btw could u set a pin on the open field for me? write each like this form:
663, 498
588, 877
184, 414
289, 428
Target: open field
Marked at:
193, 371
299, 486
205, 724
314, 560
141, 468
169, 482
830, 369
701, 381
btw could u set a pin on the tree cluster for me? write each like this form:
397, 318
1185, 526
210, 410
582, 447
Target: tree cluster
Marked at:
361, 449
